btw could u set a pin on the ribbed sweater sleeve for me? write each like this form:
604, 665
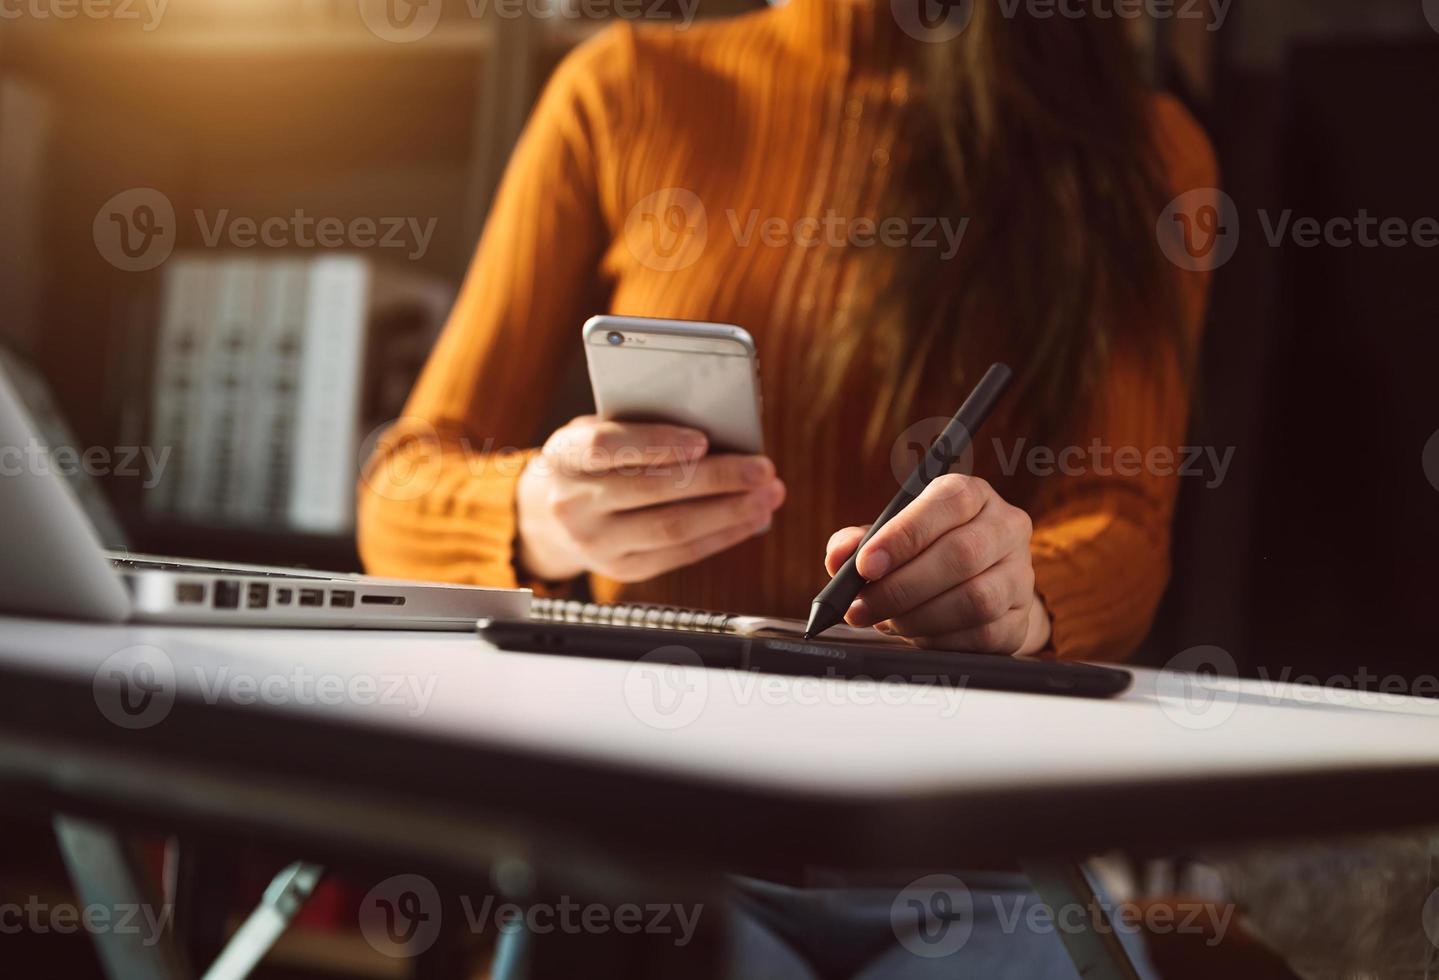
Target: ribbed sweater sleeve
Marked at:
1101, 540
437, 498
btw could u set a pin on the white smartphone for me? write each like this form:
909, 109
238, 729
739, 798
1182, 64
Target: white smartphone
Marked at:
701, 375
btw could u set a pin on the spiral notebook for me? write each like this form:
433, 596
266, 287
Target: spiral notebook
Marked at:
645, 616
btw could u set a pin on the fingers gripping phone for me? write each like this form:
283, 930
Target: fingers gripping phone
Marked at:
703, 376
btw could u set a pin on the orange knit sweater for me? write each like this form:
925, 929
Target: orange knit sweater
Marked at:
646, 184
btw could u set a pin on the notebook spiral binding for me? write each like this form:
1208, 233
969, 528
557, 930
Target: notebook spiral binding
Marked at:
631, 615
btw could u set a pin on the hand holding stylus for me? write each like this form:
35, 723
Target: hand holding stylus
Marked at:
951, 571
946, 564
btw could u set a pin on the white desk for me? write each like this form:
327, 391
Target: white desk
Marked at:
447, 751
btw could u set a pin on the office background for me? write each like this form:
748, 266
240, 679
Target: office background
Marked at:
1317, 553
1319, 539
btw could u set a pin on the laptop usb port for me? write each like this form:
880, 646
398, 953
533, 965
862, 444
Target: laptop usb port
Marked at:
312, 597
257, 595
227, 594
382, 600
342, 597
190, 593
283, 597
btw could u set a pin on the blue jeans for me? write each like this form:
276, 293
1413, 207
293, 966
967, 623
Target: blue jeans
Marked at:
1002, 932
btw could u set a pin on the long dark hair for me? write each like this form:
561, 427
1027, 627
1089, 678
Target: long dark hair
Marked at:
1040, 131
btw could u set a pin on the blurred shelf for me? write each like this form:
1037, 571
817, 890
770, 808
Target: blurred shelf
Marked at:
253, 39
260, 546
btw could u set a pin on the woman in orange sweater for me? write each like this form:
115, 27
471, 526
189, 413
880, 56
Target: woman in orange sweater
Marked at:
886, 207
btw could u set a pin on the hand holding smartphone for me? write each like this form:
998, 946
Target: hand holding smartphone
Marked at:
668, 473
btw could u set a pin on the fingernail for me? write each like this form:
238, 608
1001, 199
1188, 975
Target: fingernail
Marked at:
874, 563
885, 628
764, 529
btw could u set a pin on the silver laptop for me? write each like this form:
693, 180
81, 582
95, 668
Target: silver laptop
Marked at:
52, 563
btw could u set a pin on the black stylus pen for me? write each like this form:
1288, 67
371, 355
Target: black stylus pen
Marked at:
834, 599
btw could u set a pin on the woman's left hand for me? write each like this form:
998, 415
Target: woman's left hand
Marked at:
951, 572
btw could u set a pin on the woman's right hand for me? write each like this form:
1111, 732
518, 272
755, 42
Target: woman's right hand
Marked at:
632, 501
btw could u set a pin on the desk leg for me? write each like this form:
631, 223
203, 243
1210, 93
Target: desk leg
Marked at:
106, 874
1096, 950
201, 883
285, 896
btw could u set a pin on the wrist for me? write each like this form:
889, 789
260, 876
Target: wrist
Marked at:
537, 559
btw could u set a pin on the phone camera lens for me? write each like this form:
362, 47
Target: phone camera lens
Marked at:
615, 338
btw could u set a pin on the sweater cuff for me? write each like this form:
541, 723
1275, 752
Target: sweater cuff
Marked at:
1100, 593
441, 513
